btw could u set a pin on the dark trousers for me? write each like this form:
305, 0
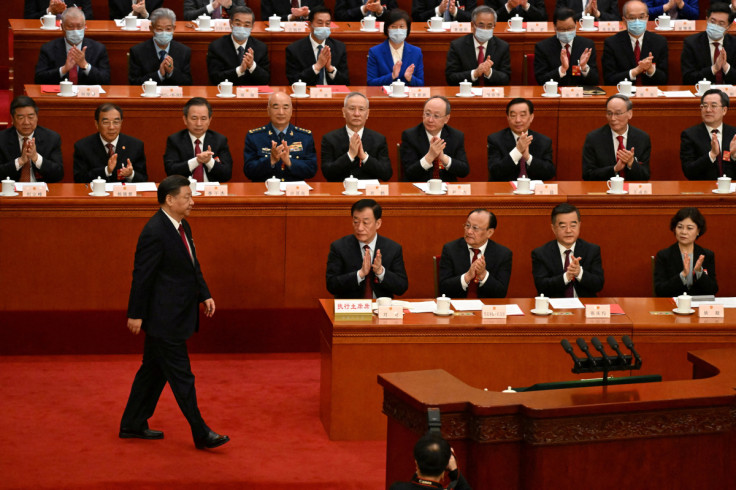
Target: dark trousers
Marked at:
164, 361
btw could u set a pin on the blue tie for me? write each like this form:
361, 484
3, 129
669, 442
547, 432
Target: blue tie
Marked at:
161, 56
322, 72
446, 16
241, 54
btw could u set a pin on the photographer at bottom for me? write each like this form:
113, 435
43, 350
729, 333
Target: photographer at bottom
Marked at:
434, 458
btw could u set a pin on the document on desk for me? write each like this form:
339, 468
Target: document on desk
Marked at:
139, 186
364, 182
467, 304
19, 185
422, 307
566, 304
726, 302
677, 93
284, 185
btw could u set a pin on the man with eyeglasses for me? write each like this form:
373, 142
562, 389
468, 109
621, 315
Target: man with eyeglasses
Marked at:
239, 57
708, 149
617, 149
475, 266
568, 266
710, 55
479, 57
109, 154
160, 59
635, 54
434, 150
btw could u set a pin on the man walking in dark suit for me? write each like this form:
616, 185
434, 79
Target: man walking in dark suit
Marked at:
354, 149
617, 149
109, 154
74, 57
708, 149
566, 58
450, 10
434, 150
28, 152
164, 301
605, 10
517, 151
479, 57
364, 264
711, 54
529, 10
217, 9
290, 10
318, 59
198, 151
567, 267
160, 59
239, 57
475, 266
635, 54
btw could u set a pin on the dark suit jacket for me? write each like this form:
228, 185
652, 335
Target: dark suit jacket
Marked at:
345, 260
501, 167
195, 8
694, 150
48, 145
547, 270
347, 10
414, 145
423, 10
300, 58
222, 60
283, 7
618, 58
167, 286
35, 9
696, 60
336, 166
179, 151
537, 11
144, 62
381, 65
462, 59
667, 267
547, 62
599, 154
455, 261
121, 8
90, 159
53, 56
607, 8
688, 11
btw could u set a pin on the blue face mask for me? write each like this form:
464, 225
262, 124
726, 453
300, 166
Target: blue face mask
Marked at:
566, 37
163, 38
714, 31
397, 35
321, 33
636, 27
74, 37
483, 35
241, 33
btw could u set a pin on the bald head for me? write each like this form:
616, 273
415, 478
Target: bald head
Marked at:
279, 110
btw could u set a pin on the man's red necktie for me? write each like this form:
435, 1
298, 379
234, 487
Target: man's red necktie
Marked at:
473, 286
25, 170
481, 59
719, 160
637, 59
74, 75
621, 146
368, 292
198, 173
186, 242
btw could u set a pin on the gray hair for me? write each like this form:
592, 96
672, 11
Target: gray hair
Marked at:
161, 13
443, 99
72, 12
626, 100
483, 9
356, 94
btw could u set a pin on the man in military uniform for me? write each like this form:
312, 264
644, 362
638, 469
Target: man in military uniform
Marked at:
279, 149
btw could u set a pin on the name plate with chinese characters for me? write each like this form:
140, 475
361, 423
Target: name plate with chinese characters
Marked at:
684, 25
390, 312
171, 92
34, 190
458, 189
597, 311
545, 189
536, 26
609, 26
297, 190
571, 92
352, 309
730, 90
419, 92
215, 190
493, 92
88, 91
497, 312
221, 25
461, 27
640, 189
320, 92
376, 190
294, 26
647, 91
127, 190
247, 92
710, 311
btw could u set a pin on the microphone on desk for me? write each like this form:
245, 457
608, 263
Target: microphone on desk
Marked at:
584, 347
614, 345
599, 347
630, 345
568, 348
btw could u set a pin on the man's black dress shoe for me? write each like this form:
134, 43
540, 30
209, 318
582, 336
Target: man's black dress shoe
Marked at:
212, 440
141, 434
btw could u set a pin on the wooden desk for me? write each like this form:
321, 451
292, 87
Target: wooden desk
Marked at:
677, 434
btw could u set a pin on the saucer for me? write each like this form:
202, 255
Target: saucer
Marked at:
609, 191
223, 96
552, 96
368, 30
403, 96
8, 195
356, 193
152, 96
463, 95
664, 28
522, 193
299, 96
204, 30
55, 28
435, 30
133, 29
280, 193
449, 313
716, 191
593, 29
678, 312
436, 193
280, 29
66, 95
100, 195
542, 312
515, 30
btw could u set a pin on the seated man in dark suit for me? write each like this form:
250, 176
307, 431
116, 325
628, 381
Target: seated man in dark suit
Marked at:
433, 458
568, 266
517, 151
79, 59
198, 151
711, 54
364, 264
285, 10
318, 59
635, 54
28, 152
217, 9
459, 10
617, 148
708, 149
109, 154
35, 9
142, 9
239, 57
160, 59
354, 149
279, 149
466, 52
355, 10
475, 266
565, 58
529, 10
600, 9
434, 150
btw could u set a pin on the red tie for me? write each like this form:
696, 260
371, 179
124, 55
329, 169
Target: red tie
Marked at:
186, 243
368, 292
74, 75
637, 58
481, 59
473, 286
716, 53
567, 52
198, 173
217, 13
436, 167
621, 146
25, 170
719, 160
522, 167
570, 288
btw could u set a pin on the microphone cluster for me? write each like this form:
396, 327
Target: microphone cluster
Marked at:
603, 363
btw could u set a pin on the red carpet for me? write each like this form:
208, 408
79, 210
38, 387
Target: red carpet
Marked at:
59, 421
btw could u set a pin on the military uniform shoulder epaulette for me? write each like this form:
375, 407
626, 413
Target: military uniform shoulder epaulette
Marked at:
302, 130
256, 130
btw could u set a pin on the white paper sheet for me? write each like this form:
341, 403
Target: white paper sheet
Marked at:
19, 185
513, 310
365, 182
467, 304
726, 302
75, 88
422, 306
678, 93
139, 186
424, 187
202, 185
284, 185
566, 303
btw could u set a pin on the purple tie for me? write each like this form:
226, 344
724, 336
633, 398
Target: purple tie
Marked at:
570, 288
